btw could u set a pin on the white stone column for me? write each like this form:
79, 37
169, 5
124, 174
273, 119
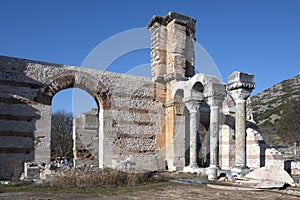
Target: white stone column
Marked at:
214, 142
193, 138
193, 106
215, 96
240, 136
239, 87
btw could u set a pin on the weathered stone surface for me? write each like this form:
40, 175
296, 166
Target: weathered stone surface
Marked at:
272, 173
31, 171
240, 86
86, 139
27, 88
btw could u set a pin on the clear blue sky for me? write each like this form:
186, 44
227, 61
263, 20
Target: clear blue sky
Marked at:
261, 37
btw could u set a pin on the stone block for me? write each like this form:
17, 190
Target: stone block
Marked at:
240, 80
32, 171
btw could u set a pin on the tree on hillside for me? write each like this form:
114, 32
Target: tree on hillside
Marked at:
61, 134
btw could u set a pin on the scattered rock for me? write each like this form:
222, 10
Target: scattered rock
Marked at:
271, 173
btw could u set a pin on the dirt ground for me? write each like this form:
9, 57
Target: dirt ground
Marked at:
163, 190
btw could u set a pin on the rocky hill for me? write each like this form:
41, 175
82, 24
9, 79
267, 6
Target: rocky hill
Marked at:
277, 112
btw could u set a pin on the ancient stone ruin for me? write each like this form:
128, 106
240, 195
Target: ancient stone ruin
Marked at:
85, 139
142, 123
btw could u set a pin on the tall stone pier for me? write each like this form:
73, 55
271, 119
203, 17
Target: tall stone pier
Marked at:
172, 60
239, 87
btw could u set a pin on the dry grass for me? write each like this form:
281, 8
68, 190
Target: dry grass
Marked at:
100, 178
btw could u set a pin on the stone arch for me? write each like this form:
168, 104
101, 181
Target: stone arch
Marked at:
56, 83
198, 88
74, 79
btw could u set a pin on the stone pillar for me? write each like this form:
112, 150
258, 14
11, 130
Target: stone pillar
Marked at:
239, 87
193, 106
215, 97
158, 31
172, 60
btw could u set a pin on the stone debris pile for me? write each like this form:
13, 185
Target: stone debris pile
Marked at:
40, 171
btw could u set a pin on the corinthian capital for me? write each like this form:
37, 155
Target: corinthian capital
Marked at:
240, 85
193, 105
240, 94
215, 93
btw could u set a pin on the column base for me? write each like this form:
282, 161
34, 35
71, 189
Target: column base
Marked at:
240, 171
212, 172
194, 168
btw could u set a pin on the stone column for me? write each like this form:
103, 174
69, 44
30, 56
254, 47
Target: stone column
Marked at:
215, 97
240, 133
239, 87
193, 106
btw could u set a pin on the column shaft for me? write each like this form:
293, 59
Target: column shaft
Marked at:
193, 138
214, 136
240, 134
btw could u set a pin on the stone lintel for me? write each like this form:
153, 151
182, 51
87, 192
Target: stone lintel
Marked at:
240, 80
180, 19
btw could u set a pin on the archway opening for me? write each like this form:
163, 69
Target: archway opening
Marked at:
74, 128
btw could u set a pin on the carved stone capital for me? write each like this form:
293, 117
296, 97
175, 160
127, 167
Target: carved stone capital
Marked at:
215, 93
237, 85
240, 94
239, 80
215, 97
179, 108
193, 105
214, 100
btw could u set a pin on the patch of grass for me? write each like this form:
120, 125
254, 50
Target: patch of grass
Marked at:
108, 182
108, 190
100, 178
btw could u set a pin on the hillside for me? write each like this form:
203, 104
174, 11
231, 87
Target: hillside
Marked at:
277, 112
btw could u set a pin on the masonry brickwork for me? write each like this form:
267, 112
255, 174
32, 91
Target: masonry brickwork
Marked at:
129, 114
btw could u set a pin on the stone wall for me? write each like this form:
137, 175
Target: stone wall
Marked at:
130, 118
